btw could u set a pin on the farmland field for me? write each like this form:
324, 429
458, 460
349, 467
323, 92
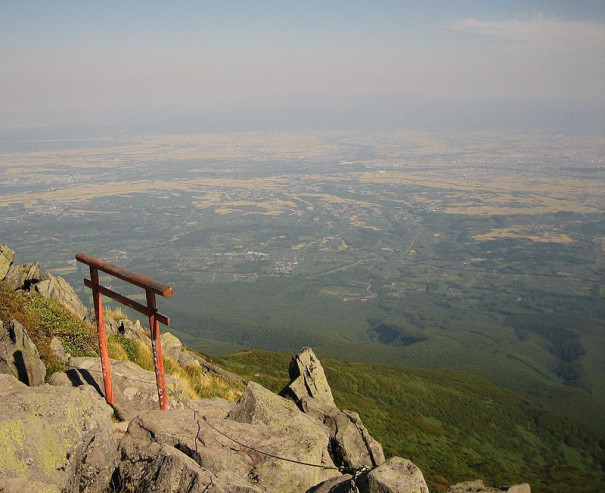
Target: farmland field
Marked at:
471, 251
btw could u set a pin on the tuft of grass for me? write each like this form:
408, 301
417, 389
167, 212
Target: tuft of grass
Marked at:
44, 319
198, 383
115, 314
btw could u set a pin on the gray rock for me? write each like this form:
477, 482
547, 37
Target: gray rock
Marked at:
54, 439
519, 488
350, 443
337, 484
213, 408
308, 380
23, 276
477, 486
134, 389
187, 445
60, 379
7, 255
396, 475
57, 349
57, 288
258, 405
19, 355
172, 346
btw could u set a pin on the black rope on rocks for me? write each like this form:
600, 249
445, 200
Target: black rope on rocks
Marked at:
356, 472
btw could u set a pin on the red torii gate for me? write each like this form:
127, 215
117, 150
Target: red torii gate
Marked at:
151, 288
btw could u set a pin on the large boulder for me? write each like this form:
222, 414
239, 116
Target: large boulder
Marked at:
396, 475
308, 380
190, 448
351, 445
23, 276
7, 256
258, 405
54, 439
134, 389
57, 288
19, 355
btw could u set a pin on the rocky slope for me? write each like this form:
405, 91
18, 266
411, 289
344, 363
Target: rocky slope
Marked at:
62, 436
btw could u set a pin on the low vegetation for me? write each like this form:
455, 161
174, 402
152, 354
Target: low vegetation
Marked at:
45, 318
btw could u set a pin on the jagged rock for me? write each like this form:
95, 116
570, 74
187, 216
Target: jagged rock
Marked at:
173, 347
350, 443
19, 355
57, 288
396, 475
258, 405
54, 439
477, 486
134, 389
23, 276
7, 255
308, 380
185, 447
57, 349
127, 328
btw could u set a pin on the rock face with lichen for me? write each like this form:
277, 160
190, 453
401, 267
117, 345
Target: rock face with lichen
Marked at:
54, 439
19, 355
23, 276
57, 288
198, 450
7, 255
134, 389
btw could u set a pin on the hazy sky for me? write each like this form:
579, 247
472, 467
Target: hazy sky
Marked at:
115, 62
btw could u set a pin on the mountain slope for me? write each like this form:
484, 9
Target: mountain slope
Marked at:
454, 425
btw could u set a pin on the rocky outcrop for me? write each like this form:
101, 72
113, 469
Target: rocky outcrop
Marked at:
192, 448
396, 475
134, 389
477, 486
54, 439
19, 355
57, 288
308, 381
23, 276
7, 255
351, 445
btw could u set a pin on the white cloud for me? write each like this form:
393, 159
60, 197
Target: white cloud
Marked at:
540, 32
